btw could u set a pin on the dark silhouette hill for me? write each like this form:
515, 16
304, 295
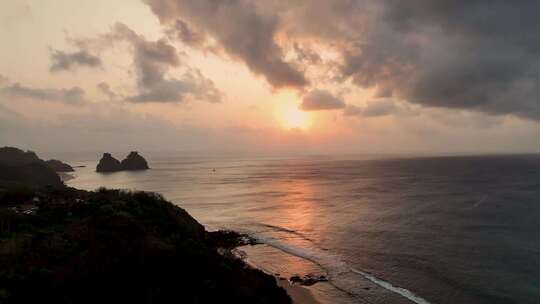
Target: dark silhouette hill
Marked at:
113, 246
16, 157
20, 167
59, 166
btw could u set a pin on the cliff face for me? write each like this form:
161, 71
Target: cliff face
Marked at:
134, 162
113, 246
20, 167
108, 164
59, 166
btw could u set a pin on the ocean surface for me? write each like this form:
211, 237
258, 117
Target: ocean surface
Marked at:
412, 230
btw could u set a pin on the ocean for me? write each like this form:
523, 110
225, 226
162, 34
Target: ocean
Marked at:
462, 229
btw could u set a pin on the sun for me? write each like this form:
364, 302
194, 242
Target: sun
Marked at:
290, 117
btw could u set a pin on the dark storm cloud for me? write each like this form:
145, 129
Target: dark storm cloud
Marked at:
74, 95
477, 55
318, 100
480, 55
63, 61
242, 29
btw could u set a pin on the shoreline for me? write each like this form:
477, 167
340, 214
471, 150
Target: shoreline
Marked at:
65, 176
69, 223
299, 294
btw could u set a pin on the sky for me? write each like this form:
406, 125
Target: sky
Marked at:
276, 76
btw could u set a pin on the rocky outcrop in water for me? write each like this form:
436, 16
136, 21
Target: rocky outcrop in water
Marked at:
134, 162
20, 167
108, 164
59, 166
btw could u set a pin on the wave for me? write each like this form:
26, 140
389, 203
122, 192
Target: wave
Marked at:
286, 230
339, 272
399, 290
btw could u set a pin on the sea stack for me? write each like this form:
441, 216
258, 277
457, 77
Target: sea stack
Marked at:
134, 162
108, 164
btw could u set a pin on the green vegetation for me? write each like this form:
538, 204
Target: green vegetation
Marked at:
65, 245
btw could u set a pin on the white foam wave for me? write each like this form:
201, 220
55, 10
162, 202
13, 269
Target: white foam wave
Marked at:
329, 262
401, 291
336, 267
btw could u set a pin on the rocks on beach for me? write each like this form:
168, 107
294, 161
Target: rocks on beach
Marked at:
133, 162
308, 279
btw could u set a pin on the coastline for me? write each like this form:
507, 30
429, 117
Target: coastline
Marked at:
299, 294
257, 256
121, 246
64, 176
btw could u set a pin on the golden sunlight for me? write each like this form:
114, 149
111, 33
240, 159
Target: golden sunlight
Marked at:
288, 115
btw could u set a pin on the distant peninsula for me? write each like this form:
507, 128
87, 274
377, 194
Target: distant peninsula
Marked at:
18, 167
59, 166
133, 162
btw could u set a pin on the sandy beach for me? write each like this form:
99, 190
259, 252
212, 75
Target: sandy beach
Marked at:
65, 176
299, 294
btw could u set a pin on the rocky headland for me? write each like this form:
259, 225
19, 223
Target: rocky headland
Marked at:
59, 166
18, 167
63, 245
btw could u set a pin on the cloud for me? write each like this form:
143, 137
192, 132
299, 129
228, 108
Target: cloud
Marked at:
242, 29
478, 55
375, 108
153, 59
153, 62
474, 55
306, 55
106, 90
114, 127
63, 61
183, 32
75, 95
318, 100
192, 83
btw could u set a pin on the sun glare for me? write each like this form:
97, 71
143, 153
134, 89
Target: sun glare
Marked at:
290, 117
